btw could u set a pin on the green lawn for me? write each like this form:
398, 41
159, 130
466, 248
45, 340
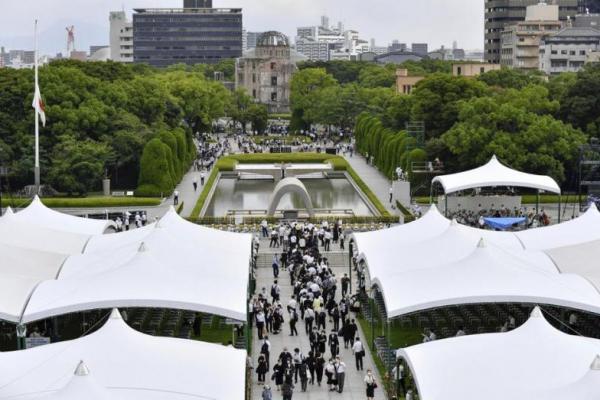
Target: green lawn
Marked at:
215, 333
85, 202
339, 164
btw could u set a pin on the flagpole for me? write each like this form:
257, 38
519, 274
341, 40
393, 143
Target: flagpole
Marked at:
36, 170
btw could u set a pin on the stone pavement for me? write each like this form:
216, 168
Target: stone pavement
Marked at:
377, 182
354, 387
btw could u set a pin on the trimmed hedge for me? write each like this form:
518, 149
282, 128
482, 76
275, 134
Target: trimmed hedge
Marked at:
339, 164
408, 216
85, 202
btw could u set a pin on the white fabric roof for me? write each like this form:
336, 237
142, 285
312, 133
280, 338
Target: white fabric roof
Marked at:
126, 364
16, 232
582, 229
494, 173
178, 265
534, 361
488, 274
581, 259
20, 272
38, 214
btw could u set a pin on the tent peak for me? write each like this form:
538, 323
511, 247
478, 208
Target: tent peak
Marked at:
536, 313
82, 369
454, 222
8, 211
595, 364
593, 207
115, 314
494, 158
143, 248
481, 244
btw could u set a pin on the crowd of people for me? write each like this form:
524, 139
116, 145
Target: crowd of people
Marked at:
326, 322
476, 218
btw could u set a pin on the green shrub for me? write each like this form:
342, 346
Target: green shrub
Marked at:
204, 195
155, 177
85, 202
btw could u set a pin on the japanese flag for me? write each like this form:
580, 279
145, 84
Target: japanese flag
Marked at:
39, 106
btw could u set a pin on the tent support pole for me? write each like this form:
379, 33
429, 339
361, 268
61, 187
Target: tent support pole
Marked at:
446, 205
537, 202
371, 301
350, 252
559, 204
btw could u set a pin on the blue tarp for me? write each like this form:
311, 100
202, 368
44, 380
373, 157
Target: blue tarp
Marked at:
503, 223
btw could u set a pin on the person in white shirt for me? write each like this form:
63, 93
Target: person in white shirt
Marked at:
359, 352
460, 332
292, 304
340, 369
428, 336
371, 385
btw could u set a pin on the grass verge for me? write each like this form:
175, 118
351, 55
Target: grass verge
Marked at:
525, 199
339, 164
85, 202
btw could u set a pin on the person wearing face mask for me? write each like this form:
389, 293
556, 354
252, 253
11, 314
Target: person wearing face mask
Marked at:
371, 385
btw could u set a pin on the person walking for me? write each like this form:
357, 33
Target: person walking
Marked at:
287, 390
260, 323
261, 369
391, 194
359, 352
275, 266
340, 370
265, 350
371, 385
278, 370
176, 197
293, 320
266, 393
319, 367
334, 343
195, 184
202, 177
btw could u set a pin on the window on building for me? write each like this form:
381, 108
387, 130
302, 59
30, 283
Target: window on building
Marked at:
554, 52
459, 71
254, 93
273, 81
582, 52
564, 52
253, 78
241, 78
482, 70
273, 65
274, 96
406, 89
572, 52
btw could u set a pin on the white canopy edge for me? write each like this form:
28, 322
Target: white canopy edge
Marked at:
494, 173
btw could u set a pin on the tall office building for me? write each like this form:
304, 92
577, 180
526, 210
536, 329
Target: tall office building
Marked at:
593, 6
121, 37
165, 36
420, 48
197, 3
501, 13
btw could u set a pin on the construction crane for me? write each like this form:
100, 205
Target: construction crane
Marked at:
70, 39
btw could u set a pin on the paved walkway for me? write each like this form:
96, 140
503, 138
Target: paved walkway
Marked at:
377, 182
354, 388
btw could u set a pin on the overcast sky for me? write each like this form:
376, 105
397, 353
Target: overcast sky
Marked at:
437, 22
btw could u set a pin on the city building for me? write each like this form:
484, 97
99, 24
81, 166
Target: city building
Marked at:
78, 55
521, 42
473, 69
397, 46
166, 36
587, 20
312, 49
568, 50
4, 57
589, 6
251, 39
406, 83
443, 53
420, 48
197, 3
500, 13
266, 71
121, 37
324, 42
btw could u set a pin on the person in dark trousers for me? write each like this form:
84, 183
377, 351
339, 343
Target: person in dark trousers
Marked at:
359, 353
262, 369
345, 285
319, 366
334, 343
293, 320
195, 184
176, 197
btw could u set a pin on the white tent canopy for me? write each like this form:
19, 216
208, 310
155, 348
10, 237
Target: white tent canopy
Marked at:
18, 233
581, 259
492, 174
38, 214
534, 361
21, 270
178, 265
584, 228
489, 274
126, 365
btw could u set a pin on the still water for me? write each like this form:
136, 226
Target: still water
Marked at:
233, 194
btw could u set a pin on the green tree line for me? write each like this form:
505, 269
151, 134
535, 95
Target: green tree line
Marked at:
132, 123
531, 122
